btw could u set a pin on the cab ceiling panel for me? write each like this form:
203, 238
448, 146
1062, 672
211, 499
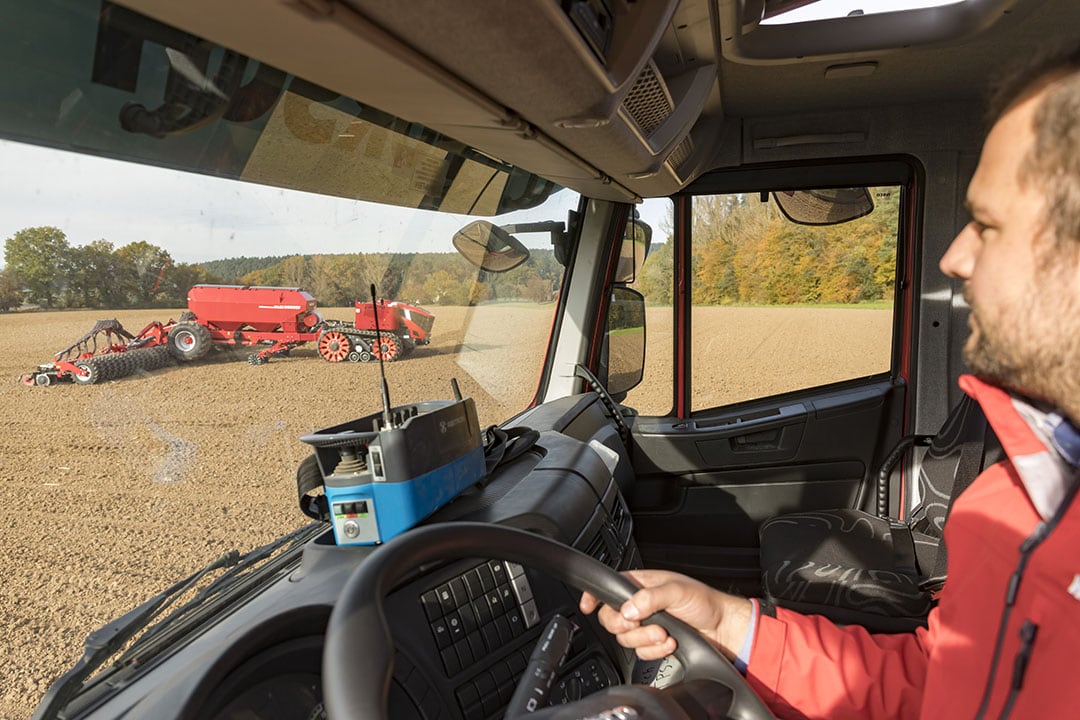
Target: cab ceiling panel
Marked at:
567, 90
616, 82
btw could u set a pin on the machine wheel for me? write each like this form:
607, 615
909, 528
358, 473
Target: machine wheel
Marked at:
334, 346
256, 359
42, 379
92, 374
387, 348
108, 367
189, 341
354, 356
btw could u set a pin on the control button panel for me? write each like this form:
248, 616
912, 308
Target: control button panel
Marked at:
585, 679
478, 612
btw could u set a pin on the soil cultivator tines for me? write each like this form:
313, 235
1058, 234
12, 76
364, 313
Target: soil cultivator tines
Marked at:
106, 336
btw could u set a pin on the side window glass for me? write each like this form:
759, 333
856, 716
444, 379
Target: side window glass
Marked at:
656, 281
780, 306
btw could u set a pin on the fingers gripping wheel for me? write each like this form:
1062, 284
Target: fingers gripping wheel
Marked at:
359, 654
609, 402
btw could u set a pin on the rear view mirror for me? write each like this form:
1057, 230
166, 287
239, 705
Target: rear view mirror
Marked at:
624, 352
635, 248
827, 206
489, 247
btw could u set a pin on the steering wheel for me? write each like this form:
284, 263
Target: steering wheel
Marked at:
359, 652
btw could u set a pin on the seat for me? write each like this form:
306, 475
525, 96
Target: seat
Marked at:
857, 567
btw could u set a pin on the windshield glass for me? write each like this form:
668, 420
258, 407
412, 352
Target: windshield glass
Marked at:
156, 181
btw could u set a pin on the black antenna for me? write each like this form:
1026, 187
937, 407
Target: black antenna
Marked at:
382, 368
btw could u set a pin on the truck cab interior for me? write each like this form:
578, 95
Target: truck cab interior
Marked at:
668, 433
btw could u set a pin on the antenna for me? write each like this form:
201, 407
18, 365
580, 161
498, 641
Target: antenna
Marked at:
382, 368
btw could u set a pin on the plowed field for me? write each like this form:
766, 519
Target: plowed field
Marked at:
114, 491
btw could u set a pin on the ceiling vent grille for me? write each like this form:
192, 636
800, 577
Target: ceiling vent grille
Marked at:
649, 103
681, 153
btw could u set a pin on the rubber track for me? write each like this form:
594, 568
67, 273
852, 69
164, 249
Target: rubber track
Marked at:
367, 337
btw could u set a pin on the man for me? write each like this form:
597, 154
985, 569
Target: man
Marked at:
1004, 637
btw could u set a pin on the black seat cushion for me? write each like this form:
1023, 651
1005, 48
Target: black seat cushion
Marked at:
839, 563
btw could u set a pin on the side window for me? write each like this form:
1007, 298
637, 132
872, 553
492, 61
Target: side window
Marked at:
779, 306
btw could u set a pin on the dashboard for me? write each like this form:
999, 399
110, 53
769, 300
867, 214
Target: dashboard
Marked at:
463, 631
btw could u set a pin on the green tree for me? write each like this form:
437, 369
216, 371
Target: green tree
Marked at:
179, 279
94, 279
40, 256
11, 290
143, 266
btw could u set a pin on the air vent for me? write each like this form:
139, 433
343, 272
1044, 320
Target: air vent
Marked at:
681, 153
598, 549
649, 103
618, 517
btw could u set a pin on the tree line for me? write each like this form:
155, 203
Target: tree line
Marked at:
43, 269
743, 252
746, 252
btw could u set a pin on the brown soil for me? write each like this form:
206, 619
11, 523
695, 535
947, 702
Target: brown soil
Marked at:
114, 491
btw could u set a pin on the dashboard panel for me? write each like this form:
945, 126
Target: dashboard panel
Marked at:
463, 631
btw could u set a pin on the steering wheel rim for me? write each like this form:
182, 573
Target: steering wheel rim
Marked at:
358, 622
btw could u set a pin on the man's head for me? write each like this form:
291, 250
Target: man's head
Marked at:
1020, 254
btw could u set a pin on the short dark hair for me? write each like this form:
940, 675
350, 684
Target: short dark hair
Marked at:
1053, 162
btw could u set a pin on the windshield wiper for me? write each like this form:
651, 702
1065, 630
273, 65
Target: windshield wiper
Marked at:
106, 641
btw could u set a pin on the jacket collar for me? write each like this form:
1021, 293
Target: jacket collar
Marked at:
1025, 432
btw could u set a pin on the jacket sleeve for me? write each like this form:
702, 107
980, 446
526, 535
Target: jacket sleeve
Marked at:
804, 666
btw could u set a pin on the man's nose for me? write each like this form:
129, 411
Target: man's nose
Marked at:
959, 260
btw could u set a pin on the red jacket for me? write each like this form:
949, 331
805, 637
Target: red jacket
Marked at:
805, 666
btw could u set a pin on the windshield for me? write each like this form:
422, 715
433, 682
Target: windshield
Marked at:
156, 181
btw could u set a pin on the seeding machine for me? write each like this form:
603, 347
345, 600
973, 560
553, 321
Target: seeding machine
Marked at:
276, 318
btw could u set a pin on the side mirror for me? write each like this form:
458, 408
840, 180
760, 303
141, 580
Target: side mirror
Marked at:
635, 248
827, 206
624, 343
489, 247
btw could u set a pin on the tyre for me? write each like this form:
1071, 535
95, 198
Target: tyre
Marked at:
156, 358
108, 367
91, 376
189, 341
42, 379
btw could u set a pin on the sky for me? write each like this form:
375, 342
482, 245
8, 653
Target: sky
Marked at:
197, 218
841, 8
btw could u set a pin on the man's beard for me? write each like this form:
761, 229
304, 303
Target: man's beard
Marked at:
1032, 348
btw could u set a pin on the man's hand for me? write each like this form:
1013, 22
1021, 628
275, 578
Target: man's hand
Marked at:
723, 619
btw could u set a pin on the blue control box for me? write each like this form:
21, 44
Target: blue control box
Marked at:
381, 481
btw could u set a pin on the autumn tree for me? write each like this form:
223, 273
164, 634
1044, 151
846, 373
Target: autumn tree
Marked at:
657, 277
